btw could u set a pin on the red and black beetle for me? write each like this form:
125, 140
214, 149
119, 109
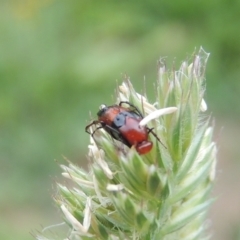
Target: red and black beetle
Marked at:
122, 124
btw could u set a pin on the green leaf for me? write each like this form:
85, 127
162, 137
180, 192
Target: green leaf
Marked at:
154, 185
194, 178
191, 154
183, 216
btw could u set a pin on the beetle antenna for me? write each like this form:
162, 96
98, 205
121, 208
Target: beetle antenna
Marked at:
150, 130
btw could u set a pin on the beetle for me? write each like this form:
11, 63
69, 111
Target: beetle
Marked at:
122, 123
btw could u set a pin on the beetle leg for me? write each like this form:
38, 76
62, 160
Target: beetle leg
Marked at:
114, 133
131, 105
89, 125
150, 130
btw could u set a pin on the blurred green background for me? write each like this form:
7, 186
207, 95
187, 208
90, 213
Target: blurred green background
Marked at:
61, 59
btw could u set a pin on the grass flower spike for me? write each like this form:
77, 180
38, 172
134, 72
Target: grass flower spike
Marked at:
163, 194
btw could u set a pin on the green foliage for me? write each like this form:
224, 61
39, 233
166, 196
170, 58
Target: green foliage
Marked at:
56, 55
133, 195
